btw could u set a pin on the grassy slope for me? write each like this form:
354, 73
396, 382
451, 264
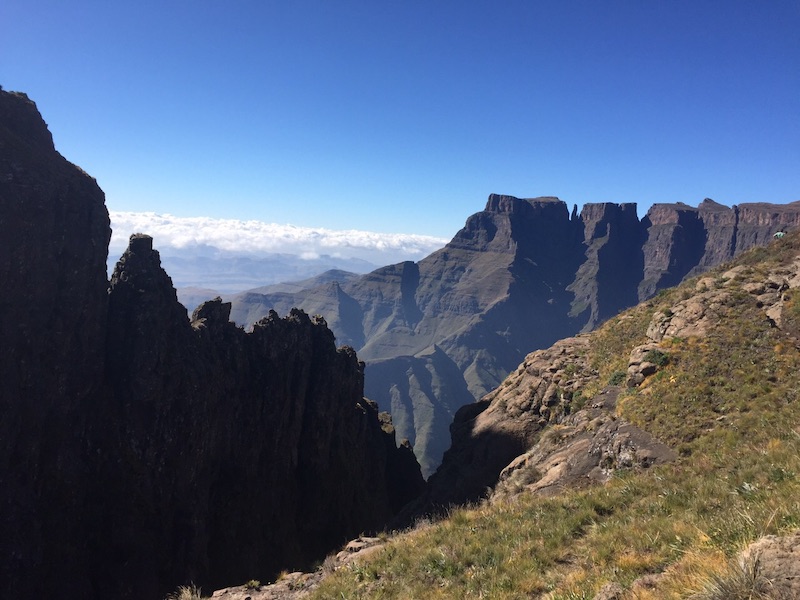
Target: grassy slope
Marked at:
728, 403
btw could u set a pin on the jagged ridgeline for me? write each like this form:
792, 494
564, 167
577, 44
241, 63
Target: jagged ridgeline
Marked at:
140, 450
655, 458
441, 333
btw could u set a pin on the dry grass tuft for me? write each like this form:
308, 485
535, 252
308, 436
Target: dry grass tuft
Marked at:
741, 580
186, 592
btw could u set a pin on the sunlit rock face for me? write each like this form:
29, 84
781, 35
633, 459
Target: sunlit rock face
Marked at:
141, 450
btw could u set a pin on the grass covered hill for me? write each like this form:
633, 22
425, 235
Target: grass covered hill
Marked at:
722, 394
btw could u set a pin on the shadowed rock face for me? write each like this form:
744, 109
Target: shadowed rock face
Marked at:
257, 449
54, 231
141, 450
521, 274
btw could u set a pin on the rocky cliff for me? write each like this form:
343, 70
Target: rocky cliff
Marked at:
521, 274
54, 231
139, 449
554, 424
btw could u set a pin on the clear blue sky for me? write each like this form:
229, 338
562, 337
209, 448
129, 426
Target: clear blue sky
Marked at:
403, 115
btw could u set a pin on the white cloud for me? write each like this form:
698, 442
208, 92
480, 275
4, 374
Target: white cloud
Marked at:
256, 237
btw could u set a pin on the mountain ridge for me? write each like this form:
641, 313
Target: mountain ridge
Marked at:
518, 276
654, 458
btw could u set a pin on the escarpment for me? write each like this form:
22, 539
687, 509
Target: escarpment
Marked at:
554, 424
520, 275
142, 450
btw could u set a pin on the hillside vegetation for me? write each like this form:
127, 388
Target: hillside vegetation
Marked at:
725, 399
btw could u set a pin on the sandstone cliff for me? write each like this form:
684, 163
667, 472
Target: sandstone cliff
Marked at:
521, 274
140, 450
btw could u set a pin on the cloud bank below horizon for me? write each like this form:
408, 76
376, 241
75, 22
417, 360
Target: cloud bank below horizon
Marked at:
203, 234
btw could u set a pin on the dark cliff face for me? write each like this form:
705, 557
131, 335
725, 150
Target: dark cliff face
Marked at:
141, 450
667, 258
520, 275
611, 262
757, 222
54, 231
682, 241
252, 446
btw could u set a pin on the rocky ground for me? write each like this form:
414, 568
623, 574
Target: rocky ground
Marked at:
299, 585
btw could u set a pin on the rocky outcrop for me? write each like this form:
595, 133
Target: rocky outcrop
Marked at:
269, 428
774, 562
586, 447
297, 585
521, 274
140, 449
488, 435
538, 433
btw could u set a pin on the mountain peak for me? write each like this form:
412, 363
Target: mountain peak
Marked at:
19, 114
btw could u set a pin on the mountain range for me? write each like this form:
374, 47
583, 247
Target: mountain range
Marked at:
523, 273
654, 458
142, 448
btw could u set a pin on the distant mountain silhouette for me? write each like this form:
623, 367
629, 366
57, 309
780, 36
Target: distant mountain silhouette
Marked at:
191, 297
521, 274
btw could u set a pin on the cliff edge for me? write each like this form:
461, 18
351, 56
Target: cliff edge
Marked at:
140, 450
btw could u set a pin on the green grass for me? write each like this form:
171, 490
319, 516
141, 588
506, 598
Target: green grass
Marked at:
728, 403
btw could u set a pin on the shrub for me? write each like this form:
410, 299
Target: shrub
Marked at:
657, 357
617, 378
578, 401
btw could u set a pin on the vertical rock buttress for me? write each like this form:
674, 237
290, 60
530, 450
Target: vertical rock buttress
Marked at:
140, 450
54, 233
257, 450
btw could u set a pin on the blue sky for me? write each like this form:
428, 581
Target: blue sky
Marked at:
402, 116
